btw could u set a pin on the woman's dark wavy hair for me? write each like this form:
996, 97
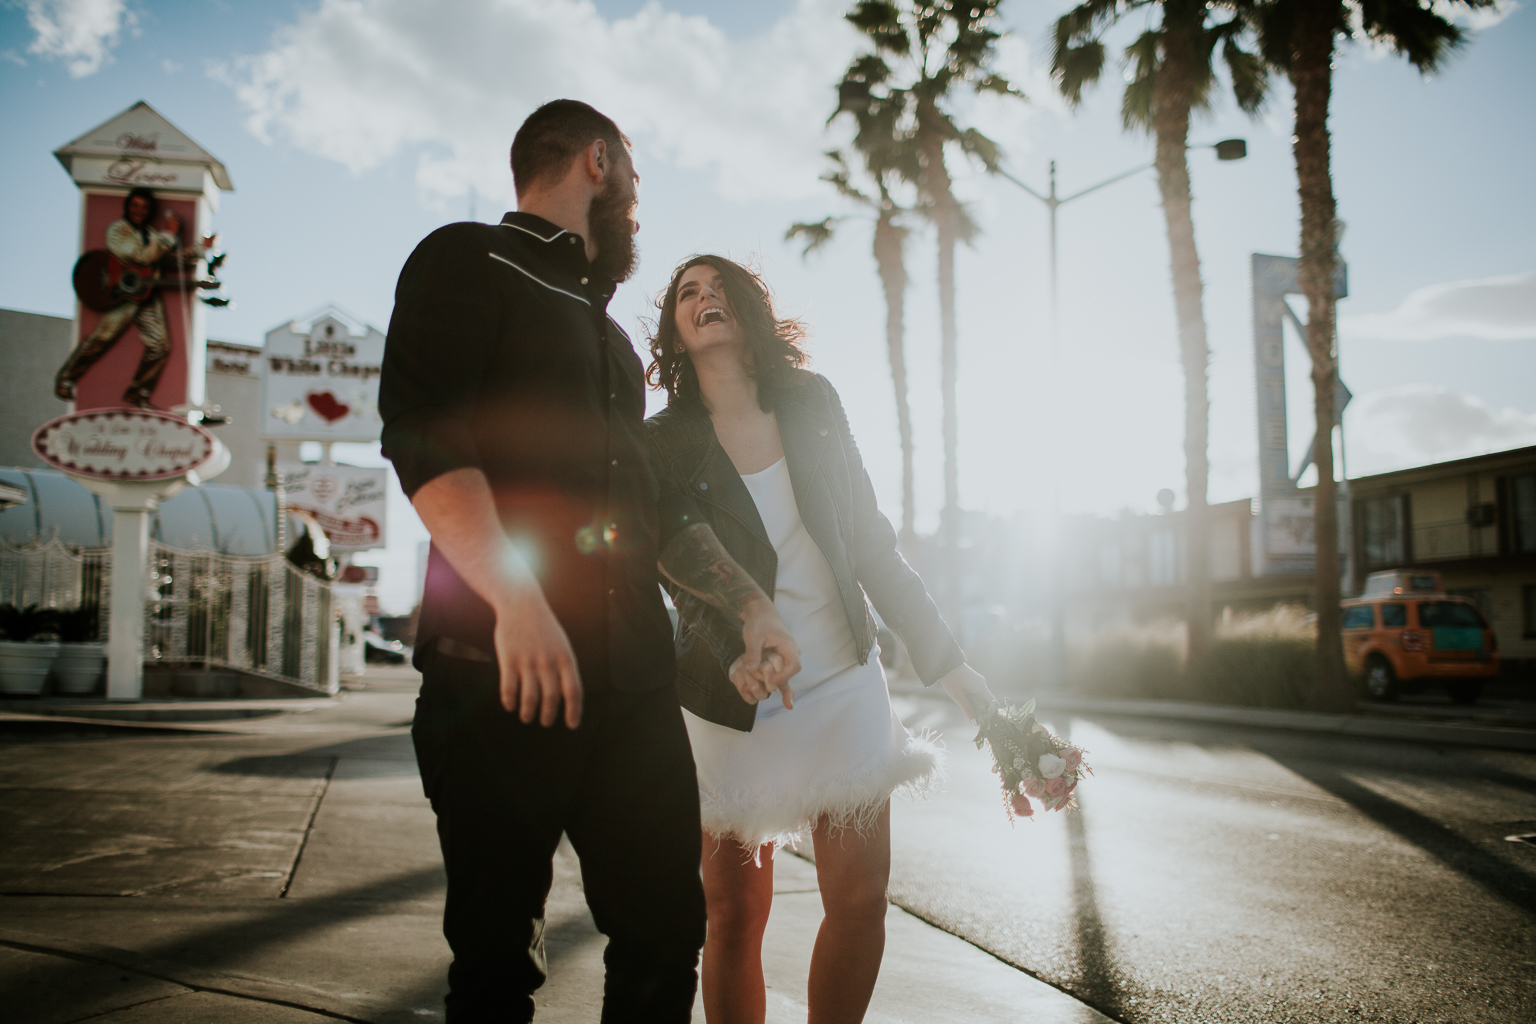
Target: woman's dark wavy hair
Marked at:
774, 343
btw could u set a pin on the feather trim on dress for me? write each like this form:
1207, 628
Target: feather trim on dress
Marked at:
766, 814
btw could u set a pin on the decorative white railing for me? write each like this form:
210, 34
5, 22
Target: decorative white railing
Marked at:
203, 608
54, 575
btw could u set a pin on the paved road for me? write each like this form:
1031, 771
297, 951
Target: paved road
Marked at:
1222, 874
283, 869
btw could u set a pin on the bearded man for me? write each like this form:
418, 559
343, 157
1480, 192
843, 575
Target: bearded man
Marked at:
512, 408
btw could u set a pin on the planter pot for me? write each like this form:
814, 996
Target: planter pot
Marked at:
24, 666
79, 667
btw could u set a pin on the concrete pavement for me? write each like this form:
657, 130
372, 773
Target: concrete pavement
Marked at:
284, 868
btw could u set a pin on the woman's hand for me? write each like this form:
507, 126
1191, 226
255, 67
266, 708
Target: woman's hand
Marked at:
771, 659
968, 689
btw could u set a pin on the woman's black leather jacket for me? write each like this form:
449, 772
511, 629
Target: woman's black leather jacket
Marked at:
837, 505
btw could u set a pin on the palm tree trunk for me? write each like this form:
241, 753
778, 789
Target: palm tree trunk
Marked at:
946, 218
1171, 103
1312, 76
890, 259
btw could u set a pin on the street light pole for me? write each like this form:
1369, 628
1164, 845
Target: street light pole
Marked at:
1227, 149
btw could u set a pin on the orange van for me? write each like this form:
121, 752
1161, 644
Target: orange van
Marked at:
1406, 634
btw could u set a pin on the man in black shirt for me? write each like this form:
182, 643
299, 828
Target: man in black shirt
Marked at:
512, 408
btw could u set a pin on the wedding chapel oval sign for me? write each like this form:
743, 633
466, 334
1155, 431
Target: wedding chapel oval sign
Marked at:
124, 444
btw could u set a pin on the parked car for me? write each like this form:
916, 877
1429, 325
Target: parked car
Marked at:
1405, 634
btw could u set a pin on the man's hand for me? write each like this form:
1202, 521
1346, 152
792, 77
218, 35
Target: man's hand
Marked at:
968, 689
538, 667
771, 659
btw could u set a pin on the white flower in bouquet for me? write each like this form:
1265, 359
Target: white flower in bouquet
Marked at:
1052, 766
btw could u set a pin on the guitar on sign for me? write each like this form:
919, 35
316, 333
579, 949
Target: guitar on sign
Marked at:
102, 281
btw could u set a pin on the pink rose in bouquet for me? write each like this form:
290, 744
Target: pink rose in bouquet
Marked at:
1029, 761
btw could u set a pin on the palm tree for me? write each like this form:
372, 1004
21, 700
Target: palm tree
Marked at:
923, 52
1172, 75
889, 246
1301, 38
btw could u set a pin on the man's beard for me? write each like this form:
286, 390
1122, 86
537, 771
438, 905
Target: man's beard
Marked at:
613, 232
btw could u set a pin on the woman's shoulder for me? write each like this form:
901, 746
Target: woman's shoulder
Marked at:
677, 426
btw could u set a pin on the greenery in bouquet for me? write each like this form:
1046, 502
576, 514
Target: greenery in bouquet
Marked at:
1032, 763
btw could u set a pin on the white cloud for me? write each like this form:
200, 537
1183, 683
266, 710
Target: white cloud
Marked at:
80, 32
1495, 308
1479, 19
1421, 424
362, 81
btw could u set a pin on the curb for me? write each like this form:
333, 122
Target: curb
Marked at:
257, 989
1300, 721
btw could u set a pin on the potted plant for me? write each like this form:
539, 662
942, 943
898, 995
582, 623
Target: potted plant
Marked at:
29, 641
82, 658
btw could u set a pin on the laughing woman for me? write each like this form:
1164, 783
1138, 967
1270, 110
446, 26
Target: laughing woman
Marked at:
759, 449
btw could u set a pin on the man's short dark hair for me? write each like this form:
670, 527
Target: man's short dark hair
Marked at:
552, 136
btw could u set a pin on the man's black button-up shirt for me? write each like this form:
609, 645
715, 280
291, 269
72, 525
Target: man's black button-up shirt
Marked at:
501, 356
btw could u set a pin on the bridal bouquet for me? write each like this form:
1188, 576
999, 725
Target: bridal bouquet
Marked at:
1032, 763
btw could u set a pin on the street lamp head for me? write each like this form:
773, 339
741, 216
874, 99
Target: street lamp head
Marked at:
1231, 149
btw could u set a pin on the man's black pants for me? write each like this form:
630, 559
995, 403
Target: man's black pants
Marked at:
622, 787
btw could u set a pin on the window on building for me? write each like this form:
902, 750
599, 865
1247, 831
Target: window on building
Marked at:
1382, 527
1394, 615
1359, 617
1522, 512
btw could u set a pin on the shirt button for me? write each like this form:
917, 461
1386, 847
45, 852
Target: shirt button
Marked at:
703, 485
583, 280
612, 591
615, 462
823, 431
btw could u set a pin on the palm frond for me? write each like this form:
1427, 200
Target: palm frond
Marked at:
1141, 60
1074, 67
881, 22
982, 148
814, 234
999, 85
1250, 76
1415, 32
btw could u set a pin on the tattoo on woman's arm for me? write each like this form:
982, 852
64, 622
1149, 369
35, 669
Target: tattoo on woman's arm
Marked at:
696, 561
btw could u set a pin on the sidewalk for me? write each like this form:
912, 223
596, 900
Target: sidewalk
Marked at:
284, 868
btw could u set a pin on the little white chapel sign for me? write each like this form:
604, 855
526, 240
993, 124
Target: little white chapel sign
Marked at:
124, 444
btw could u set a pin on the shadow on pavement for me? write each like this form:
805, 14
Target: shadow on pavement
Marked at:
1496, 876
227, 947
1095, 982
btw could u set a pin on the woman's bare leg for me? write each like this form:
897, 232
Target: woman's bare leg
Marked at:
738, 895
852, 871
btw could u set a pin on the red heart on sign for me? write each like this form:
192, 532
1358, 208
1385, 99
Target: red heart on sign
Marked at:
327, 406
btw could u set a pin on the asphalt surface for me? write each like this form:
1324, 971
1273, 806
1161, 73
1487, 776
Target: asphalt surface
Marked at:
285, 869
1218, 873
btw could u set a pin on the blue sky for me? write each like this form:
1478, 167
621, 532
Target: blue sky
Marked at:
353, 129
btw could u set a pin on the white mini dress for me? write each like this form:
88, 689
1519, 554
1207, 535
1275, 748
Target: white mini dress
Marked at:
841, 751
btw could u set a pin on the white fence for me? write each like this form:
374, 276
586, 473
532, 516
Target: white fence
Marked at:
203, 609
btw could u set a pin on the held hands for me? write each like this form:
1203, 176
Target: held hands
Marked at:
538, 667
771, 659
968, 689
